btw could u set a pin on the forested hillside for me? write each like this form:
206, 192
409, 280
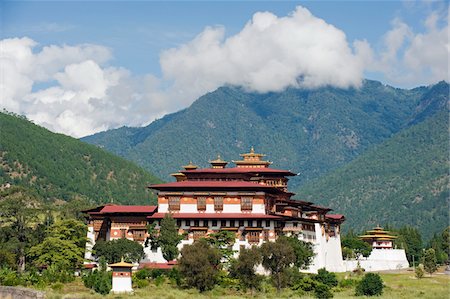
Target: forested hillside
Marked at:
307, 131
61, 167
405, 180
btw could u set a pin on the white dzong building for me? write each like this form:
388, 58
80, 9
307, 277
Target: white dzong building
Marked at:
250, 199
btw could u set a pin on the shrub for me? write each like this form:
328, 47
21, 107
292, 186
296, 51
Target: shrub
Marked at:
142, 274
322, 291
159, 280
175, 276
140, 283
9, 277
327, 278
99, 281
419, 271
306, 284
370, 285
155, 273
199, 265
347, 283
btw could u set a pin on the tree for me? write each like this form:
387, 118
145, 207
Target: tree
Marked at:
419, 271
353, 247
114, 250
440, 244
429, 261
410, 239
370, 285
322, 291
63, 254
168, 237
18, 212
327, 278
303, 252
243, 268
223, 241
277, 257
199, 265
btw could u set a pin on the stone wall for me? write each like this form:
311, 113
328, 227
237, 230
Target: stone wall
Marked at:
20, 293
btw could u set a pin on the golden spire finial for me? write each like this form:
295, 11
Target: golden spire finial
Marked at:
218, 156
252, 150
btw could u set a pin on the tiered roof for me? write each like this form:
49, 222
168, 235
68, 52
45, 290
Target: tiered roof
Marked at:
377, 234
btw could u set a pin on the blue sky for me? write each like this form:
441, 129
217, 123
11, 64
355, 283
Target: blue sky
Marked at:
125, 45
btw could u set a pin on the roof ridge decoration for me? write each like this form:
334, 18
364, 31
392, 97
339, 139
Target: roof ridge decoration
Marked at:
252, 160
218, 163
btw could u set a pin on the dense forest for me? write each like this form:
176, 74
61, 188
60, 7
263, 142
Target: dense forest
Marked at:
307, 131
405, 180
58, 167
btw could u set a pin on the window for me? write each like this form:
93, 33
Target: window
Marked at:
205, 223
123, 233
174, 203
223, 223
246, 203
201, 203
253, 237
250, 223
139, 235
267, 223
218, 203
241, 222
196, 223
188, 222
214, 223
198, 234
178, 223
232, 223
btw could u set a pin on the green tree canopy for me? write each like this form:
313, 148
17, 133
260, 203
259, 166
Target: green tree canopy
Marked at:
113, 251
429, 261
19, 208
169, 238
277, 257
303, 252
243, 268
199, 265
353, 247
64, 254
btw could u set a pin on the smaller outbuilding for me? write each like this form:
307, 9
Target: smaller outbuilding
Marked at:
121, 277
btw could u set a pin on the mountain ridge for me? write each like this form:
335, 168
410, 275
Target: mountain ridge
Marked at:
60, 167
312, 131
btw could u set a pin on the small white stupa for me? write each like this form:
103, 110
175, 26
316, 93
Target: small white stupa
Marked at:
121, 277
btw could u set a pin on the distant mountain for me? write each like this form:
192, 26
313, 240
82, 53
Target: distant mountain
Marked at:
404, 180
59, 167
307, 131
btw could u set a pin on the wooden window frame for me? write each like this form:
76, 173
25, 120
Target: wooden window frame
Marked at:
218, 203
174, 203
201, 203
246, 203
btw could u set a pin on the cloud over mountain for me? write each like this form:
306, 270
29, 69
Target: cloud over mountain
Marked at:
75, 90
268, 54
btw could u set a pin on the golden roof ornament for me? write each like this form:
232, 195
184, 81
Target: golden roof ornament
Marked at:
190, 166
218, 163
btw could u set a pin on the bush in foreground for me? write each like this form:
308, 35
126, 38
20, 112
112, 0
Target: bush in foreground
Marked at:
199, 265
370, 285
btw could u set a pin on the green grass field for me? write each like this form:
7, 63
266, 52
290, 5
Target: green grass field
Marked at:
398, 285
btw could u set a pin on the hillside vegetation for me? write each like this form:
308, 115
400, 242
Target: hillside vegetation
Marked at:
307, 131
405, 180
64, 168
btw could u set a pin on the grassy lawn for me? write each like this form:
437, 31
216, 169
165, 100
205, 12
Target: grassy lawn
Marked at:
398, 285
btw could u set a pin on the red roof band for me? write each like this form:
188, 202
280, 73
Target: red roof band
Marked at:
215, 216
240, 170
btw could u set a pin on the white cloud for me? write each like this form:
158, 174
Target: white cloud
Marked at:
74, 90
83, 96
411, 58
268, 54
